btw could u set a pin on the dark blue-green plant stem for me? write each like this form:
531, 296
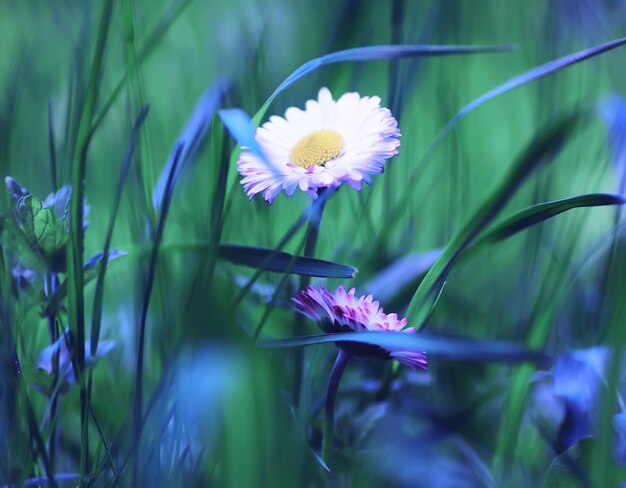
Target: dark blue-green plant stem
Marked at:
96, 318
299, 328
51, 283
154, 256
76, 306
343, 358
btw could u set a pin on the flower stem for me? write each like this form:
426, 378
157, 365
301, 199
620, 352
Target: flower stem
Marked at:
310, 245
343, 358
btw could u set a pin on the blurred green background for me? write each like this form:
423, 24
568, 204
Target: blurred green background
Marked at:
221, 413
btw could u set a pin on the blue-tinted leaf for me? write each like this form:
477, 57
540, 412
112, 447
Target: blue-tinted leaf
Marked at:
191, 136
278, 261
242, 129
435, 346
373, 53
613, 111
390, 282
533, 75
95, 260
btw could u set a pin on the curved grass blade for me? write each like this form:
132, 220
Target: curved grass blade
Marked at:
242, 129
543, 211
533, 75
191, 136
520, 80
96, 318
279, 262
154, 259
542, 149
373, 53
436, 346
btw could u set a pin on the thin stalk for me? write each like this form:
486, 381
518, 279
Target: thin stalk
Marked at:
343, 358
51, 284
299, 328
52, 148
75, 248
154, 256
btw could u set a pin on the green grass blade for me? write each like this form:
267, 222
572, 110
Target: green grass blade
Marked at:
542, 149
372, 53
196, 127
154, 257
525, 78
536, 214
75, 278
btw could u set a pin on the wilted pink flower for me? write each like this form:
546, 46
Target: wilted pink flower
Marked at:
343, 312
323, 146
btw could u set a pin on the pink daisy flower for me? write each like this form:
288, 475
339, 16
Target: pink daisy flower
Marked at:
343, 311
323, 146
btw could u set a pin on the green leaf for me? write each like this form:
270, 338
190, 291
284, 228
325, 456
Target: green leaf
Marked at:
38, 228
520, 80
543, 211
542, 149
435, 346
572, 468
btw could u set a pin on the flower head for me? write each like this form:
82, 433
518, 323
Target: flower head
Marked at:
343, 311
323, 146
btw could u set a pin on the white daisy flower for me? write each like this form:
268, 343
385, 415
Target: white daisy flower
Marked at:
323, 146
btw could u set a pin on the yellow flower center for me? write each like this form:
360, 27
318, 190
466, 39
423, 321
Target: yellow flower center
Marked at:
318, 148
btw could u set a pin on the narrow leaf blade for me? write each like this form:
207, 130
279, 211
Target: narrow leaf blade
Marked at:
436, 346
373, 53
280, 262
543, 211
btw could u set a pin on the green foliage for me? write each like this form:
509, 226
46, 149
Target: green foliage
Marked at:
186, 397
38, 234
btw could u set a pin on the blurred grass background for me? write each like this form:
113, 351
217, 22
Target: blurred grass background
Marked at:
222, 415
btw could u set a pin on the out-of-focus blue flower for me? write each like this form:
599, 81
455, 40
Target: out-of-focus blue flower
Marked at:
577, 379
570, 399
66, 370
